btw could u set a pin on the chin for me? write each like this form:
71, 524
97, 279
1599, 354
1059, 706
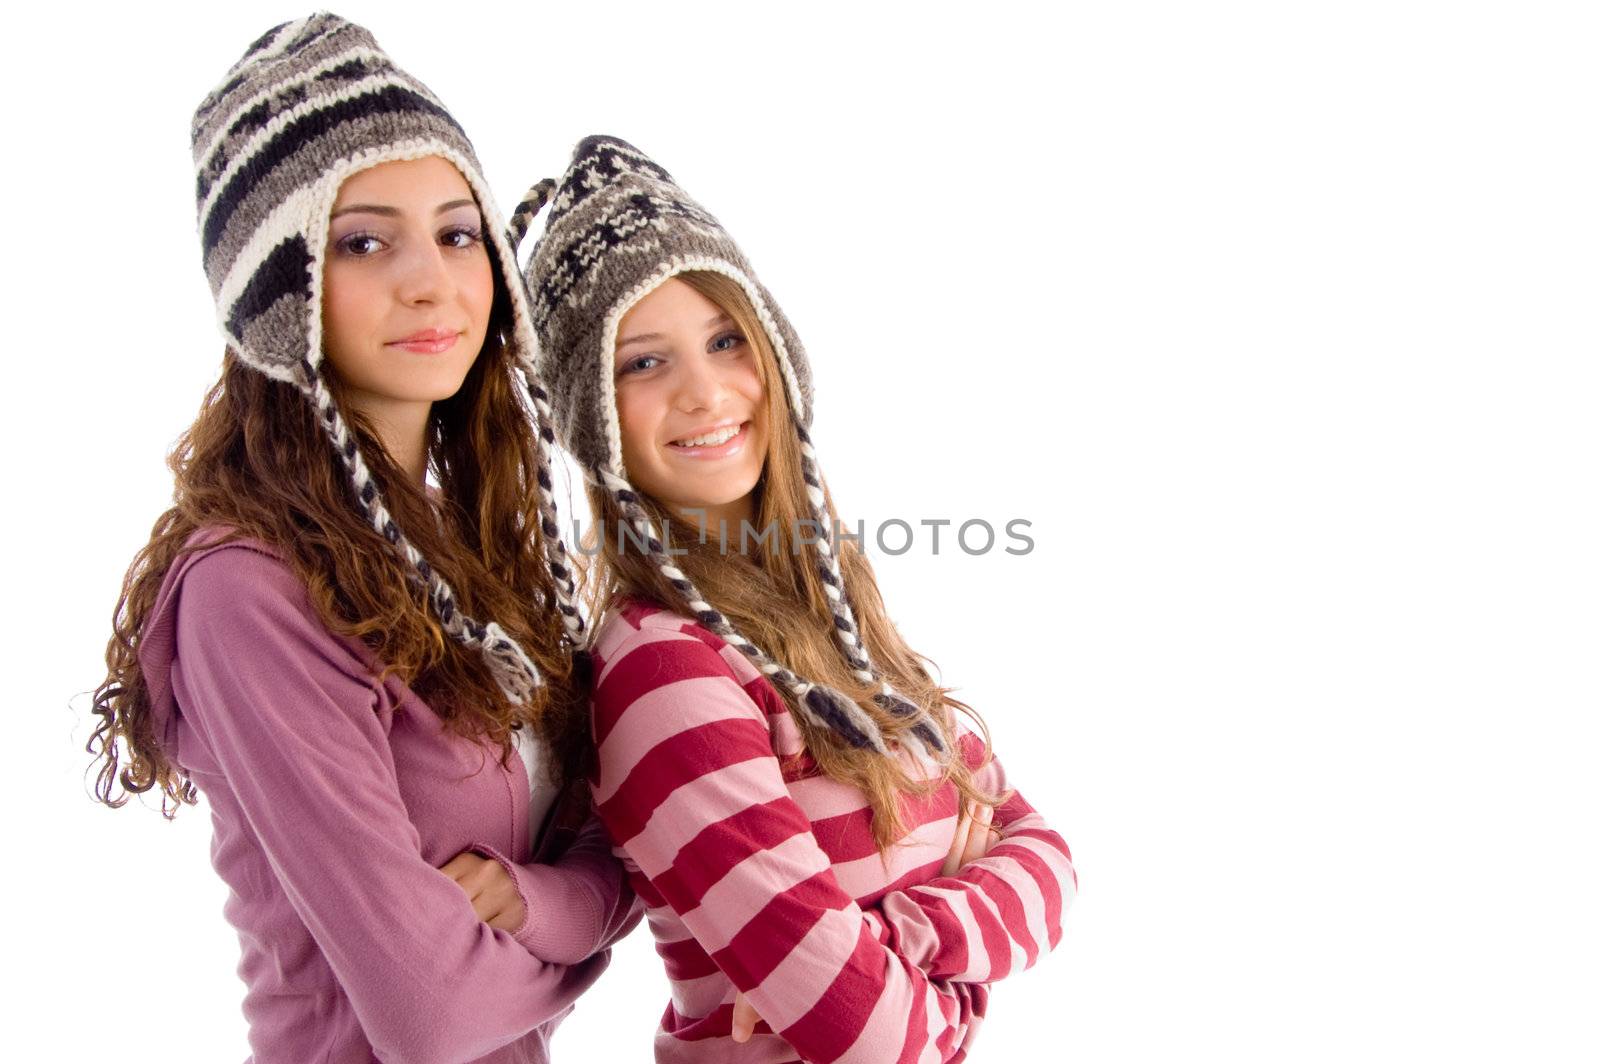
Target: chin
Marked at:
726, 490
437, 387
699, 496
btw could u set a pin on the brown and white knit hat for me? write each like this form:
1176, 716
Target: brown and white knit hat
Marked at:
310, 103
618, 227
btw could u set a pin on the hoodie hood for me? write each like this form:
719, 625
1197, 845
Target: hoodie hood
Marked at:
158, 641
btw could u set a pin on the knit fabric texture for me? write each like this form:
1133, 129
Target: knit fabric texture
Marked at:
308, 104
619, 225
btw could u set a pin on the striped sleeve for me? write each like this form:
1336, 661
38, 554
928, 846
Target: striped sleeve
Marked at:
998, 914
688, 785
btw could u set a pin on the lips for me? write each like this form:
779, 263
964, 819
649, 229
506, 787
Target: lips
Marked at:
718, 442
709, 437
427, 341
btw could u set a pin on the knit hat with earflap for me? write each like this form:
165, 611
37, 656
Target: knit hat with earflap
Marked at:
618, 227
310, 103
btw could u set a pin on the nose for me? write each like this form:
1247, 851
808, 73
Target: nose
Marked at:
701, 384
423, 275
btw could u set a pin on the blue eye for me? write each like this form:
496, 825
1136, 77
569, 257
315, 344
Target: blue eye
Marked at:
639, 365
727, 342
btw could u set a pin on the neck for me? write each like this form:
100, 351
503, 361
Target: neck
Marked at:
712, 522
403, 428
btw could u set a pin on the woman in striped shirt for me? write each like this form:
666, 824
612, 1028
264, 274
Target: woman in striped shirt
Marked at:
782, 777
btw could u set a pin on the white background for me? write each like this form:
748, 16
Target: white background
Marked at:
1277, 320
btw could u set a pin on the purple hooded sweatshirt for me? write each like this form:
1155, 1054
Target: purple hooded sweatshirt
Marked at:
335, 798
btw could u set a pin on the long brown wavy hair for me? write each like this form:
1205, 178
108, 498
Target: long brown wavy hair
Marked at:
776, 599
256, 464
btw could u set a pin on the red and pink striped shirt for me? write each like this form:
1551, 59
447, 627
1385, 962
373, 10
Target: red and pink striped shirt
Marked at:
762, 875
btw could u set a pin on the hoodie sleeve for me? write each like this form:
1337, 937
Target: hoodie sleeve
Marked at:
996, 915
287, 710
688, 784
586, 884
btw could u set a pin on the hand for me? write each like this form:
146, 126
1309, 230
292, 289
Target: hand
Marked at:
745, 1018
490, 889
973, 838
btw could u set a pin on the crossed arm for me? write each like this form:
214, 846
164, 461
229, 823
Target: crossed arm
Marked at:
286, 710
689, 786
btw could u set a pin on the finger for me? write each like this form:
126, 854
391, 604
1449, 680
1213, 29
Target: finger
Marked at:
511, 913
484, 906
985, 815
978, 837
745, 1018
480, 892
495, 891
460, 866
484, 901
976, 845
958, 848
507, 917
987, 835
488, 876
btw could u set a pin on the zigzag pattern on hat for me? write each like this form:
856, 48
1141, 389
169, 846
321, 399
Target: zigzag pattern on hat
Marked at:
309, 103
618, 226
307, 99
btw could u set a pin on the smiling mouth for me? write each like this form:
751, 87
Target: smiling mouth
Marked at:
713, 444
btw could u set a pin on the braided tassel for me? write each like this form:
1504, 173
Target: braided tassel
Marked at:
549, 519
844, 622
824, 706
526, 211
544, 439
513, 670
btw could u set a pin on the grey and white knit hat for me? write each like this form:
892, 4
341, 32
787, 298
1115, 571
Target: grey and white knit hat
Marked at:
310, 103
619, 226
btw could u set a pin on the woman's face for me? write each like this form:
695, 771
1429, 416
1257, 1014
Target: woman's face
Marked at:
689, 403
407, 286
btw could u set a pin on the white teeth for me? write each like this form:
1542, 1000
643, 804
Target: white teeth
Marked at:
710, 439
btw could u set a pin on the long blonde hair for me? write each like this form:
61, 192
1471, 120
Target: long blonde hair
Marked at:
776, 599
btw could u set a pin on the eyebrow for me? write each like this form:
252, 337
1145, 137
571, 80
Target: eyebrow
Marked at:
394, 212
641, 337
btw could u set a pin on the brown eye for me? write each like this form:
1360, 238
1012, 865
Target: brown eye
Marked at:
360, 245
461, 237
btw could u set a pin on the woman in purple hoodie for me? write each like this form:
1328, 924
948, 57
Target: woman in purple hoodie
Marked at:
352, 631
